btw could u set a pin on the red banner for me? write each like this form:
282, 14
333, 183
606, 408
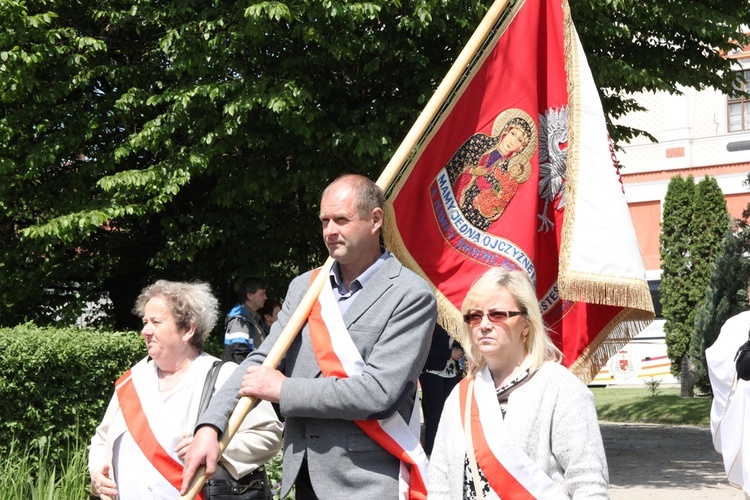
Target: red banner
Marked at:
519, 172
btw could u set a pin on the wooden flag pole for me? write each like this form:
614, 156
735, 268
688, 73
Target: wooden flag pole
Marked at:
277, 352
389, 174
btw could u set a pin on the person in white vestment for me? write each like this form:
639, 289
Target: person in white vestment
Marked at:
128, 452
533, 424
730, 423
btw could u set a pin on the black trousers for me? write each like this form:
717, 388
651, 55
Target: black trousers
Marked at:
303, 489
435, 390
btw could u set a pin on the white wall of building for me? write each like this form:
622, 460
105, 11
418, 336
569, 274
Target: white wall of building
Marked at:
691, 129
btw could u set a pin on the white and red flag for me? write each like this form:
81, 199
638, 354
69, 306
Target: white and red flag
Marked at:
518, 171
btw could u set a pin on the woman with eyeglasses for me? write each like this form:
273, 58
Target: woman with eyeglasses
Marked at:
520, 425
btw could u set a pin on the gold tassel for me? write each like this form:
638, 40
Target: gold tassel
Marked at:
615, 291
623, 328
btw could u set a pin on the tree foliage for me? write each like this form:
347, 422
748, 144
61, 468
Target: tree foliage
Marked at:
708, 226
695, 219
726, 294
190, 139
675, 241
636, 46
725, 297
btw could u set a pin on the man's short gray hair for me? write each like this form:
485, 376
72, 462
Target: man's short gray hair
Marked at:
368, 195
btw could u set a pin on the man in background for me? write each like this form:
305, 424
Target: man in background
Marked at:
440, 375
270, 313
243, 328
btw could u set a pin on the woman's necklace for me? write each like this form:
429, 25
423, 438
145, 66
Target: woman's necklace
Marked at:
513, 373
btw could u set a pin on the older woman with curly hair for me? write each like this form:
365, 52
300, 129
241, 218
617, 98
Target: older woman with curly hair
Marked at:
520, 425
138, 449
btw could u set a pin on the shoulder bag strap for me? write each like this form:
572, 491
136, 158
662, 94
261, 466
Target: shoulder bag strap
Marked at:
208, 387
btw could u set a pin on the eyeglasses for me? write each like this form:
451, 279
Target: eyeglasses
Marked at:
495, 316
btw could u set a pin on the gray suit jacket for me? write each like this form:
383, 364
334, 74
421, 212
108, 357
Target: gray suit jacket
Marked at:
390, 321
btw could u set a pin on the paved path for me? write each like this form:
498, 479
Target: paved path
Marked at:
649, 461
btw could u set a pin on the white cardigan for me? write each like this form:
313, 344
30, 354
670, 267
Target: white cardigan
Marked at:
551, 417
257, 440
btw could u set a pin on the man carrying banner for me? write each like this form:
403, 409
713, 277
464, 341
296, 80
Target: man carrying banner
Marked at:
350, 377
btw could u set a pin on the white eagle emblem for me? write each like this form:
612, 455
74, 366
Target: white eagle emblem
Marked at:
553, 161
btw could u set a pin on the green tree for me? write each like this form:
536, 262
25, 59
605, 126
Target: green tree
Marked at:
725, 297
694, 222
726, 294
708, 227
675, 241
190, 139
650, 46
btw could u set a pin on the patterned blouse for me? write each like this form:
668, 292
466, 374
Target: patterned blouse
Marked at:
503, 393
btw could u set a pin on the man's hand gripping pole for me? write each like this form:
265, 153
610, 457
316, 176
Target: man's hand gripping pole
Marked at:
277, 353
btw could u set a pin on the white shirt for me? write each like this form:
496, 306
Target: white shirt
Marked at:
136, 477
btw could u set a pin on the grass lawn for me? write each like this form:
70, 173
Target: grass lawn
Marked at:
614, 404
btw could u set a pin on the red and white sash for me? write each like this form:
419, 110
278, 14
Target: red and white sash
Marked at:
338, 357
510, 472
137, 424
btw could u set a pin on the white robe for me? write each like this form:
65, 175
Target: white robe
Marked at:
730, 411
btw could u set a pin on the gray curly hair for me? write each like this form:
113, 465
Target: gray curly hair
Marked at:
189, 303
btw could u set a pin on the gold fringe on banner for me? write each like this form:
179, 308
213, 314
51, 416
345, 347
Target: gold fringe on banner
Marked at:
623, 328
620, 291
615, 291
632, 294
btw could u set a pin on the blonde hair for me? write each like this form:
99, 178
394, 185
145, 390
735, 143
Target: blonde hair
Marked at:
539, 346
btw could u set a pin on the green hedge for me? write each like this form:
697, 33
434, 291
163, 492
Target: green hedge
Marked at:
56, 383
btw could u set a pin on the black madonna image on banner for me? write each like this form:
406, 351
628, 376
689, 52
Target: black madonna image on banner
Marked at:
486, 171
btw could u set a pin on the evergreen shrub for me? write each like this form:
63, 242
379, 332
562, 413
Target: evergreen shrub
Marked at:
55, 383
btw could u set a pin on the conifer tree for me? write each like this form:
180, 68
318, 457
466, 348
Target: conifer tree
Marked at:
675, 242
725, 296
708, 227
695, 221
